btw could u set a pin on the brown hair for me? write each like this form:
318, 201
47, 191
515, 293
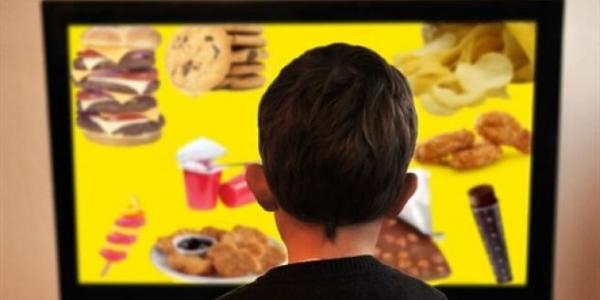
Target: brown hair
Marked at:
337, 130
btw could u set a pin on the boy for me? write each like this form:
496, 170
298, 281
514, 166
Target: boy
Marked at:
337, 131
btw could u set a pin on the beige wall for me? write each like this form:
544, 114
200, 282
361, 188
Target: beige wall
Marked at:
27, 259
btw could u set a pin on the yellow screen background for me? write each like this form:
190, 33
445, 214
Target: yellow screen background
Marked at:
106, 176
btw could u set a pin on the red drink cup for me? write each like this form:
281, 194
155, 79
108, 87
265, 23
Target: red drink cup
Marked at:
235, 192
202, 188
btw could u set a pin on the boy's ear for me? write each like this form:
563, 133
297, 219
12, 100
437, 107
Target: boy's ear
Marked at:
410, 186
257, 182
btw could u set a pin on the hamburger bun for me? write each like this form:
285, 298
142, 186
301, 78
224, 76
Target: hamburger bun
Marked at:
121, 140
134, 37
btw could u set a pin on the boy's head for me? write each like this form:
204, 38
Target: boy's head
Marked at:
337, 131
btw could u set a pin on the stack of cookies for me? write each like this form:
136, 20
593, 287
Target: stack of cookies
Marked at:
247, 58
209, 57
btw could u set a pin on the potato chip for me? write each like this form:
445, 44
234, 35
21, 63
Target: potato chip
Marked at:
491, 71
515, 52
482, 39
432, 106
432, 31
461, 64
456, 99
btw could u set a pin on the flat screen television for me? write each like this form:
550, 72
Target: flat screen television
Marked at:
153, 116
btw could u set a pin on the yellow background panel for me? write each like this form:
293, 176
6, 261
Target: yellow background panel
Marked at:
106, 176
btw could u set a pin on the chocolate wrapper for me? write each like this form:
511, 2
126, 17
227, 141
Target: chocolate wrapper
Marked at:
417, 211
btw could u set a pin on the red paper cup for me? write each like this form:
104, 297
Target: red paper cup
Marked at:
235, 192
202, 188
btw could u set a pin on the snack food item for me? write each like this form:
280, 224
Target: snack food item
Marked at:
248, 54
123, 235
459, 150
198, 58
489, 221
201, 175
436, 149
403, 247
480, 155
242, 82
501, 128
461, 64
116, 74
239, 252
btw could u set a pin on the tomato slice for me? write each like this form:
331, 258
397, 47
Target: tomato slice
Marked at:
143, 75
84, 95
88, 53
123, 116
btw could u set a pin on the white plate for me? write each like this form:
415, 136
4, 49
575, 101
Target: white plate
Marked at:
160, 261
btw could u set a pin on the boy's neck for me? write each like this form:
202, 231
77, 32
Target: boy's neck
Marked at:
306, 242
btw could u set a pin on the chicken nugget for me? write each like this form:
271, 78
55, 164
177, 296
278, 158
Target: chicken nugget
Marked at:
165, 245
253, 247
248, 233
478, 156
229, 261
437, 148
273, 256
190, 264
501, 128
213, 232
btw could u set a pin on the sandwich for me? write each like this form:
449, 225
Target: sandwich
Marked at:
117, 80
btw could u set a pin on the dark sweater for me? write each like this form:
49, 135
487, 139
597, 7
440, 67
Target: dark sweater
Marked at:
360, 277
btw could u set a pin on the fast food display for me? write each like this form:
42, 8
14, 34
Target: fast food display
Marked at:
195, 171
484, 205
405, 248
462, 64
123, 235
459, 150
117, 80
207, 57
212, 252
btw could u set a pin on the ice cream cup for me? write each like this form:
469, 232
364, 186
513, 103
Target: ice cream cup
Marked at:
202, 187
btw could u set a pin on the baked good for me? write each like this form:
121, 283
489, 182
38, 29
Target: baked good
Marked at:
248, 55
242, 82
246, 69
245, 40
198, 58
243, 29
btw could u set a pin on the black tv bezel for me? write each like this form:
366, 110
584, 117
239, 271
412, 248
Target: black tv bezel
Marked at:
58, 15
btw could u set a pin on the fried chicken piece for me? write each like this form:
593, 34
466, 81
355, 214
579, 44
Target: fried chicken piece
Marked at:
501, 128
273, 257
480, 155
165, 245
213, 232
190, 264
437, 148
229, 261
249, 233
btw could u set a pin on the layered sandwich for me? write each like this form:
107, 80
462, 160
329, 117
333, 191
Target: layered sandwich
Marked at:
116, 74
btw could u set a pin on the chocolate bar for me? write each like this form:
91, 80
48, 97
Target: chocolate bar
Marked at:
405, 248
487, 215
